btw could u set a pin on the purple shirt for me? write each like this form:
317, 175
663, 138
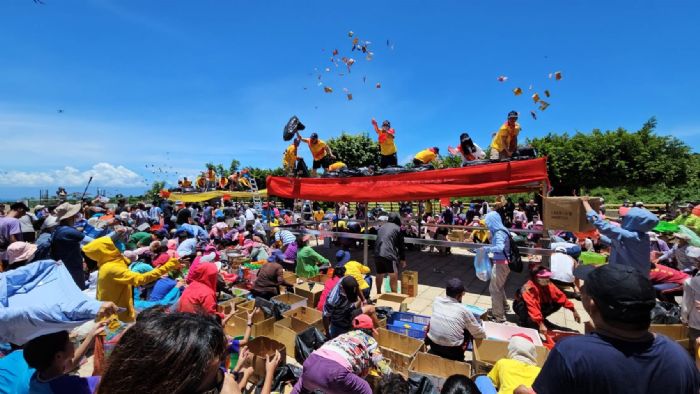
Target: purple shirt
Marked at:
8, 227
291, 252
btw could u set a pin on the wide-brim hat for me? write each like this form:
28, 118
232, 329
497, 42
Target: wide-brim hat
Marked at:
67, 210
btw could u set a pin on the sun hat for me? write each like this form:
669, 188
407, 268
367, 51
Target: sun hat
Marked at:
543, 274
20, 251
67, 210
49, 222
342, 257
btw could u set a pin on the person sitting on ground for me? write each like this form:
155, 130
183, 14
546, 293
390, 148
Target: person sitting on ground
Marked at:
344, 303
426, 156
452, 325
338, 274
54, 356
200, 294
170, 343
387, 146
341, 364
270, 278
308, 260
460, 384
621, 355
562, 266
115, 280
630, 242
682, 255
505, 140
539, 298
519, 368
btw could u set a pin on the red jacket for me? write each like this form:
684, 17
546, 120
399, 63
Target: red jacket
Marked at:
200, 295
663, 274
534, 296
329, 285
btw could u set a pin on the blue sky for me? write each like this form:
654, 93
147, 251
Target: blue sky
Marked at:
176, 84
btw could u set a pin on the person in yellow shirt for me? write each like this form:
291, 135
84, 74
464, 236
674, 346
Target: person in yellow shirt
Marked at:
186, 183
387, 147
115, 281
320, 151
355, 269
505, 141
289, 160
520, 368
318, 214
426, 156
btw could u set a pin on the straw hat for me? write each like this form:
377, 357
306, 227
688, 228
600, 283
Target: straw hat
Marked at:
67, 210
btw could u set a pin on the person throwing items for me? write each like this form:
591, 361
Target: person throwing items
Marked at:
320, 151
505, 141
387, 147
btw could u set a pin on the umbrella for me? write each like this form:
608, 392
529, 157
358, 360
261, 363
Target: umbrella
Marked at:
292, 127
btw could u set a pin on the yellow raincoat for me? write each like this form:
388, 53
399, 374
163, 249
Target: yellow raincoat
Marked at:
114, 280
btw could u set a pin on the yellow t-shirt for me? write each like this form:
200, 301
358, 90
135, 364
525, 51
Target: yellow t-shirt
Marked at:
318, 150
386, 143
509, 134
508, 374
336, 166
358, 271
318, 215
426, 156
290, 157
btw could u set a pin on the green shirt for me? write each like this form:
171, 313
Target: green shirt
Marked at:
307, 260
139, 239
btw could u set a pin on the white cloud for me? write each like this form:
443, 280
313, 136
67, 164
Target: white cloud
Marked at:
103, 174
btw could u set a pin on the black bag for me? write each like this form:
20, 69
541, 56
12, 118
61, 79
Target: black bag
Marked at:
283, 374
269, 308
301, 170
306, 342
420, 385
666, 313
515, 261
291, 128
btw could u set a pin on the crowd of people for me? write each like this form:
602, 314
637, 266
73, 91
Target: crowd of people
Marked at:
144, 283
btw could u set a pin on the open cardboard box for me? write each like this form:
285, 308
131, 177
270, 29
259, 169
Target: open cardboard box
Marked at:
436, 368
311, 290
264, 346
397, 302
487, 351
292, 300
400, 349
286, 331
307, 315
237, 324
227, 306
504, 332
567, 213
674, 331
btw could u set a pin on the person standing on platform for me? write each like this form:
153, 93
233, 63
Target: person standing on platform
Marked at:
505, 141
387, 147
320, 151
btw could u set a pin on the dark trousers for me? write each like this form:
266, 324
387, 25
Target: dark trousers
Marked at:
520, 309
455, 353
265, 294
417, 162
387, 160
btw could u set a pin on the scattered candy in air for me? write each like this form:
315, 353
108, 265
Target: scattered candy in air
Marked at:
328, 89
543, 105
328, 69
502, 78
379, 85
345, 90
533, 114
517, 91
351, 33
335, 52
369, 56
557, 75
364, 79
546, 93
535, 97
550, 75
355, 41
349, 96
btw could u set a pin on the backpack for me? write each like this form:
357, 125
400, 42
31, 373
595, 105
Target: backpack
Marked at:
515, 261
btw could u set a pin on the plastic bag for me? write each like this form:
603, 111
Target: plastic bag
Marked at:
665, 313
291, 128
284, 374
306, 342
420, 385
482, 265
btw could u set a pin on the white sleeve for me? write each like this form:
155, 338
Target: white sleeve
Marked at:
479, 154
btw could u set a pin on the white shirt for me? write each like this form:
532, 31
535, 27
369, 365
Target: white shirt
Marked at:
449, 320
249, 214
562, 267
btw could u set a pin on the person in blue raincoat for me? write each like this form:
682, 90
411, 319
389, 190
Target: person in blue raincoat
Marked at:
499, 272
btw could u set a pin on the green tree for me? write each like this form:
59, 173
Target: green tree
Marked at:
234, 166
451, 161
221, 171
154, 192
355, 150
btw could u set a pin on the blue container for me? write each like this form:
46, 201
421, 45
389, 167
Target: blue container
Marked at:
409, 317
413, 330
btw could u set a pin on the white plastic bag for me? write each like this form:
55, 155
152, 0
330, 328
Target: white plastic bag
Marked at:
482, 265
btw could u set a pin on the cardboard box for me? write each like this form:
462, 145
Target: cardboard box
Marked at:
397, 302
487, 351
261, 347
238, 322
437, 369
286, 331
409, 283
567, 213
320, 278
674, 331
311, 290
292, 300
227, 306
400, 349
248, 305
308, 315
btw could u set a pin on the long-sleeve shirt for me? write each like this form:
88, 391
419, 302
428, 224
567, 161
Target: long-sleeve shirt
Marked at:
691, 294
499, 241
356, 351
535, 296
307, 258
449, 320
